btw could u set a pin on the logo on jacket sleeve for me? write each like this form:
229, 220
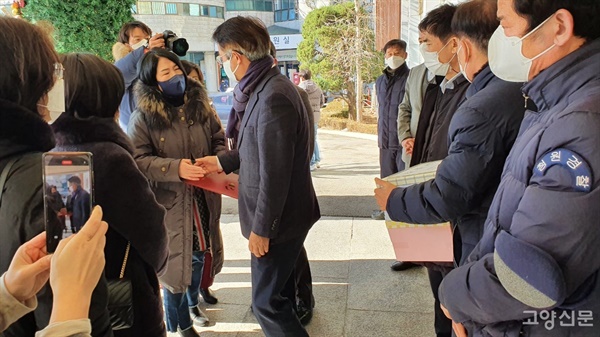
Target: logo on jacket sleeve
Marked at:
571, 161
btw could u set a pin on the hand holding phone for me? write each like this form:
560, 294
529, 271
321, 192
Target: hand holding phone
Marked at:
68, 194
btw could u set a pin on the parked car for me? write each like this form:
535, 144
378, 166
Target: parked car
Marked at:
223, 102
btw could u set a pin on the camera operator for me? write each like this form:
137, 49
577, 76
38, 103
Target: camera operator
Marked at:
134, 40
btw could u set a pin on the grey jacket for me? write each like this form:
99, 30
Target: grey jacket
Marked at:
410, 108
163, 135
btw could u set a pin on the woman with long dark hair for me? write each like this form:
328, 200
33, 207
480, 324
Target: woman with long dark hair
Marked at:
173, 125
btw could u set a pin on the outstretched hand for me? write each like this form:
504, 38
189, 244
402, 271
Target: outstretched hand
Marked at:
29, 269
382, 192
209, 163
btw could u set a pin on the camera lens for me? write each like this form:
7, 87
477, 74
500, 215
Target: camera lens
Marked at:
179, 46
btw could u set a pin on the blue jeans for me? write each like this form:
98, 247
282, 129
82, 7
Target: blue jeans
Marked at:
177, 304
316, 157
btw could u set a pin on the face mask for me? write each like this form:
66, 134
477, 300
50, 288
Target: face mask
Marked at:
56, 100
394, 62
230, 73
432, 61
463, 71
175, 87
143, 43
506, 58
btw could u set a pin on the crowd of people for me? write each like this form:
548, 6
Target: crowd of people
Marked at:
506, 98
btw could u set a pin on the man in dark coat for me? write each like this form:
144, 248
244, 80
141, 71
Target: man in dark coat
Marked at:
277, 201
80, 204
535, 271
390, 88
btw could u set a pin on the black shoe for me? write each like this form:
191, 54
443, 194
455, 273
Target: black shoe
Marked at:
400, 266
189, 332
304, 314
199, 316
208, 296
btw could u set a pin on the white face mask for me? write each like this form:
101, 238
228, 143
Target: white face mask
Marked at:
506, 58
463, 70
432, 61
56, 100
230, 73
143, 43
394, 62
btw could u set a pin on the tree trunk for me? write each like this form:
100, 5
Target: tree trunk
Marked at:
351, 100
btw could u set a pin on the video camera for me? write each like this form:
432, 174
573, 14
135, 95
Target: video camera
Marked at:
178, 45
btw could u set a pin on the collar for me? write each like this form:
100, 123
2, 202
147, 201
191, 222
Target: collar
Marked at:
430, 76
449, 84
22, 130
70, 130
396, 72
557, 82
481, 80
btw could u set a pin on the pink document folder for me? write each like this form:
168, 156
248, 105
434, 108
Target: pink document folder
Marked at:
421, 243
226, 184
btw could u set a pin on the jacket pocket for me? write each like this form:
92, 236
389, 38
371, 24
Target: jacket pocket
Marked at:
165, 197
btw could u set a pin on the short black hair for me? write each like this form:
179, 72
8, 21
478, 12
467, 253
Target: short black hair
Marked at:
477, 21
394, 43
246, 34
438, 22
188, 67
306, 74
74, 180
93, 87
147, 66
585, 14
128, 27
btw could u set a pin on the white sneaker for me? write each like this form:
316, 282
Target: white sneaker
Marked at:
318, 164
313, 167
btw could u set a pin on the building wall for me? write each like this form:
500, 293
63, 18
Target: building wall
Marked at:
266, 17
197, 30
387, 26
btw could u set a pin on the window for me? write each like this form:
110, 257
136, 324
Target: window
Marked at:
144, 7
250, 5
185, 9
285, 10
158, 8
194, 10
212, 11
220, 12
171, 8
134, 9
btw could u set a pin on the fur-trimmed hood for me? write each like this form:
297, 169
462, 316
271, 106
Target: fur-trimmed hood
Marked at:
120, 50
22, 130
70, 130
159, 114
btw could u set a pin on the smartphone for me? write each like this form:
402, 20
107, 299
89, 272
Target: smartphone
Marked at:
68, 194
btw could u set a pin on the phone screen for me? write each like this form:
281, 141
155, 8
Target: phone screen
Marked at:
68, 194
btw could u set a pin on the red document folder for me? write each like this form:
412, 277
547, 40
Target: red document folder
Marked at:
226, 184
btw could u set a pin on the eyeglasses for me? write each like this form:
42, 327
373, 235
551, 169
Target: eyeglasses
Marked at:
220, 58
58, 71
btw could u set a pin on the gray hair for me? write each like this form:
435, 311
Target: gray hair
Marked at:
244, 34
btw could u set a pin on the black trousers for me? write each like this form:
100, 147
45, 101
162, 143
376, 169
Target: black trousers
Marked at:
274, 289
390, 161
442, 325
304, 281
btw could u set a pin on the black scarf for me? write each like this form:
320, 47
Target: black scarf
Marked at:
241, 94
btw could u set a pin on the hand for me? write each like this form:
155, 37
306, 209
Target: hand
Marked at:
209, 164
189, 171
76, 268
382, 192
157, 41
29, 269
408, 144
258, 245
458, 328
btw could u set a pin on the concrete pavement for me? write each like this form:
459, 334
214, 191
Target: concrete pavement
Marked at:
356, 293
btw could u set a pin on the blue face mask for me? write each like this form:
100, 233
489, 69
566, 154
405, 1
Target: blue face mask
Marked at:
175, 87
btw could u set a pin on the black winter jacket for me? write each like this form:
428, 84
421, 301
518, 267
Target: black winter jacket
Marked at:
22, 134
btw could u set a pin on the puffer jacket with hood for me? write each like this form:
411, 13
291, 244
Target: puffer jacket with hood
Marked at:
162, 136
